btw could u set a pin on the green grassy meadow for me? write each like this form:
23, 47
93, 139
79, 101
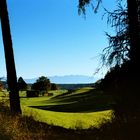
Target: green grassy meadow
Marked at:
82, 109
83, 114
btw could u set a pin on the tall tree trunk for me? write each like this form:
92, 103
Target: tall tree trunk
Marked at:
132, 95
9, 57
134, 33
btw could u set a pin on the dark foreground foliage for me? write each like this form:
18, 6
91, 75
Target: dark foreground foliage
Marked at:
26, 128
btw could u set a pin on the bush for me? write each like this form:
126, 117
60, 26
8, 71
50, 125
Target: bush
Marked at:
54, 86
49, 94
32, 93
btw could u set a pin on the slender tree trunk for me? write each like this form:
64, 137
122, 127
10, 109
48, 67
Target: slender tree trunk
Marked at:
9, 57
134, 33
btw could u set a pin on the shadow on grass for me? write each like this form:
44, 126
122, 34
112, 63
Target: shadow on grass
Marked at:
70, 109
25, 128
90, 101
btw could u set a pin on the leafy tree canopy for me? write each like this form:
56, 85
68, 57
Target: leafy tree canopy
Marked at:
42, 83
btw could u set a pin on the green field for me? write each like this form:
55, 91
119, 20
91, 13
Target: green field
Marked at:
82, 109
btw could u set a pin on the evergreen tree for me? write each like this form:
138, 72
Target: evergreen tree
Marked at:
22, 84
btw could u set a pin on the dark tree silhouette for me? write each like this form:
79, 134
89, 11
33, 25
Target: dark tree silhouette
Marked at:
84, 3
123, 51
54, 86
133, 29
118, 50
9, 57
42, 84
134, 32
22, 84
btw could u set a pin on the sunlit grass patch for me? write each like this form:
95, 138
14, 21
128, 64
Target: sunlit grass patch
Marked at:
82, 109
70, 120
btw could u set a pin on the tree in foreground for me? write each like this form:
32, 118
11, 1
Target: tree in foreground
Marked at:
122, 54
126, 21
9, 57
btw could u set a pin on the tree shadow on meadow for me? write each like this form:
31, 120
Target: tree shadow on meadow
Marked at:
90, 101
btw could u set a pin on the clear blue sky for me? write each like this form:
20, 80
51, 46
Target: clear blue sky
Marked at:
50, 38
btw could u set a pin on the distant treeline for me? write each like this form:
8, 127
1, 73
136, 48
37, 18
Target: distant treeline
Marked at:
61, 86
74, 86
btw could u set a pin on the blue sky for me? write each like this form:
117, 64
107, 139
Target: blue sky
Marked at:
50, 38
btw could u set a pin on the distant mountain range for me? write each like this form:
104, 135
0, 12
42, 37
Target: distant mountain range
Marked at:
67, 79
